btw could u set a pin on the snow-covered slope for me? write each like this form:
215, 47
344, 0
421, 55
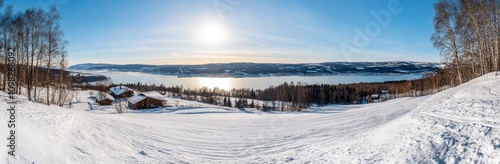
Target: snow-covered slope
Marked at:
459, 124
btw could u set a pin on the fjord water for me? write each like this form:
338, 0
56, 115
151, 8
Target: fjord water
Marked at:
253, 82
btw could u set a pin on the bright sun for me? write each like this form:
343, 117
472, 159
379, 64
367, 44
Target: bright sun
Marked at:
212, 33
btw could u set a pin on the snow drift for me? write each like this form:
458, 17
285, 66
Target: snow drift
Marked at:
457, 125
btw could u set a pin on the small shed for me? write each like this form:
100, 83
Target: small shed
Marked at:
103, 99
385, 95
147, 100
375, 97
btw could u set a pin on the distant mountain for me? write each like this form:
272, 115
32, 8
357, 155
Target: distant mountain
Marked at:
268, 69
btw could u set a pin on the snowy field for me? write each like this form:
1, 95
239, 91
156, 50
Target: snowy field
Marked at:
459, 124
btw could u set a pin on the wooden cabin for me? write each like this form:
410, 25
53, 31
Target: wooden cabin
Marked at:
147, 100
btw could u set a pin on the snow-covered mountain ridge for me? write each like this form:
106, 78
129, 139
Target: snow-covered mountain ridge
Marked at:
268, 69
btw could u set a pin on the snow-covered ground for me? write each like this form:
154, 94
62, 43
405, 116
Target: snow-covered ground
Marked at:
459, 124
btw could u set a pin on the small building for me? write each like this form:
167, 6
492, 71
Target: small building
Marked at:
103, 99
147, 100
375, 97
121, 91
385, 95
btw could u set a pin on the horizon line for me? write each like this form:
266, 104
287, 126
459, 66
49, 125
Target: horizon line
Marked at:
265, 63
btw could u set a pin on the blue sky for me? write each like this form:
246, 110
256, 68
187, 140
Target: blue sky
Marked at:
268, 31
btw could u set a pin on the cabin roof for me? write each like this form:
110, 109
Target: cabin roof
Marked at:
118, 90
103, 96
135, 99
154, 95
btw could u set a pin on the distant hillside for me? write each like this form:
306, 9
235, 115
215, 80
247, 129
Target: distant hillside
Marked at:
268, 69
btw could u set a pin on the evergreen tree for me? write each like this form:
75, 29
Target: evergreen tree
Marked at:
229, 104
225, 101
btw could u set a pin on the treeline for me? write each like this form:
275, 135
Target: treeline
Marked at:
467, 32
153, 87
37, 39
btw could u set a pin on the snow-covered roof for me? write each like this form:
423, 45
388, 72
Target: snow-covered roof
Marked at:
154, 95
136, 99
102, 96
118, 90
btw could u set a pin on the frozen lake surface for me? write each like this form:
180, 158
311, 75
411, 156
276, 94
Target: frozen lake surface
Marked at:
251, 82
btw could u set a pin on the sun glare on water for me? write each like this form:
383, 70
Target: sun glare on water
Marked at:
221, 83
